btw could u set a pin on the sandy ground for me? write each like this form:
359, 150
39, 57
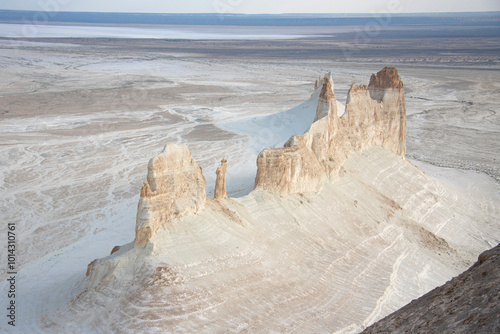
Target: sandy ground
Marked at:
80, 120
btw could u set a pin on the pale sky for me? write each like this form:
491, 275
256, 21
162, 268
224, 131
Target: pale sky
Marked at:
254, 6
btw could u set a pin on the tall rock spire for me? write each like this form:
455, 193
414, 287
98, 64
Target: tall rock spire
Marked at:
220, 181
327, 103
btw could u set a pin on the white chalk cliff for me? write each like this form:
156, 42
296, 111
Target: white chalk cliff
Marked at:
339, 232
375, 116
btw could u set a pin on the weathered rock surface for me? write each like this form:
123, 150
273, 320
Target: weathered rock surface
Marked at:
175, 187
220, 181
375, 116
469, 303
338, 259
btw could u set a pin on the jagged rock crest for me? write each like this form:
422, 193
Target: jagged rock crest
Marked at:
375, 116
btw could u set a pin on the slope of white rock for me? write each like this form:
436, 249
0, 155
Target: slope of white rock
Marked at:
384, 234
379, 235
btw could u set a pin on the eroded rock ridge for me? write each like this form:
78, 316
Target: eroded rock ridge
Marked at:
375, 115
333, 261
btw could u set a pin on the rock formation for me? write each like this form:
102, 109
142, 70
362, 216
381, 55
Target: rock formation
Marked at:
91, 267
220, 181
309, 263
469, 303
327, 102
175, 187
375, 116
386, 87
335, 261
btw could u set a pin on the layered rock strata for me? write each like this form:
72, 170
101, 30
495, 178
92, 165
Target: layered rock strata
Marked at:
220, 181
375, 116
175, 187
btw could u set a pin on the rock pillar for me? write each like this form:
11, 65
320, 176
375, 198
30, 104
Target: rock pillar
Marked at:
220, 181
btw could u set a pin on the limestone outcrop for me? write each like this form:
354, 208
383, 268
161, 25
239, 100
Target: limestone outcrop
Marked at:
336, 261
175, 187
386, 87
375, 116
220, 181
331, 262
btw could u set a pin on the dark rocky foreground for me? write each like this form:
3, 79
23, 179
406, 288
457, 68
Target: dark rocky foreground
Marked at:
469, 303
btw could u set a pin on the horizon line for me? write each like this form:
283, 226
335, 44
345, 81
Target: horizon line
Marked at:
229, 14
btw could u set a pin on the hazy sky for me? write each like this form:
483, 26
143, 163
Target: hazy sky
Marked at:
254, 6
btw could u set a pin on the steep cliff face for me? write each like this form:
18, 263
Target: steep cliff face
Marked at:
175, 187
375, 116
327, 102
